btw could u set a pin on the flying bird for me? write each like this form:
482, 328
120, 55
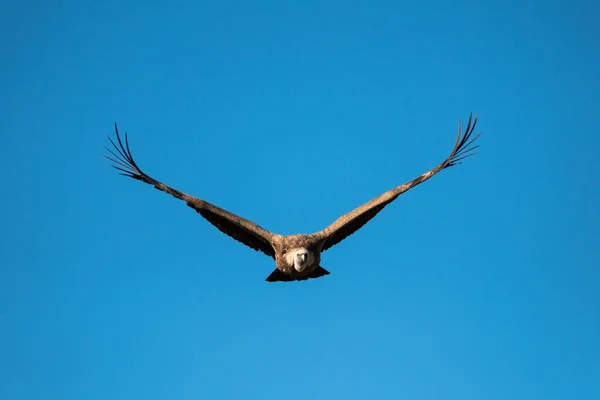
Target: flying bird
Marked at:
297, 257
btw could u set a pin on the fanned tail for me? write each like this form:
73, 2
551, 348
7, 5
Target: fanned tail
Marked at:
278, 276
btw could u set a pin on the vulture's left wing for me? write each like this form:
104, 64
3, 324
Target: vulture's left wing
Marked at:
242, 230
347, 224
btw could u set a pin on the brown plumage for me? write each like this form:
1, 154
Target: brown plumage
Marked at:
297, 257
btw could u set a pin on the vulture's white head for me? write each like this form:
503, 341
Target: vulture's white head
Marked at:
302, 258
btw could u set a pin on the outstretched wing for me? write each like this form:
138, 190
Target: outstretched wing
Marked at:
354, 220
242, 230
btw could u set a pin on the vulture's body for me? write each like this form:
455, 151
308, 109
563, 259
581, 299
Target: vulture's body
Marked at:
297, 257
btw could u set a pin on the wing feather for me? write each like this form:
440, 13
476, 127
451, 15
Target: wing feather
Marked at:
240, 229
349, 223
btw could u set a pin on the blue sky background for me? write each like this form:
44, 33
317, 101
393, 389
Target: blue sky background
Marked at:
480, 284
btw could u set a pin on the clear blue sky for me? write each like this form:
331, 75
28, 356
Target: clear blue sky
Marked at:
480, 284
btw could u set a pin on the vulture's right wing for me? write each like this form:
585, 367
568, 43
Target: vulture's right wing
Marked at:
242, 230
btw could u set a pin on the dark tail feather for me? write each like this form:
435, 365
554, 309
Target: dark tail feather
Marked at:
278, 276
319, 272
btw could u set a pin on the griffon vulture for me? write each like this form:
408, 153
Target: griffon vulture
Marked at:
297, 257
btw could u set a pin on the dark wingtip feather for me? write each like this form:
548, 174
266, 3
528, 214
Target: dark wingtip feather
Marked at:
121, 159
464, 147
